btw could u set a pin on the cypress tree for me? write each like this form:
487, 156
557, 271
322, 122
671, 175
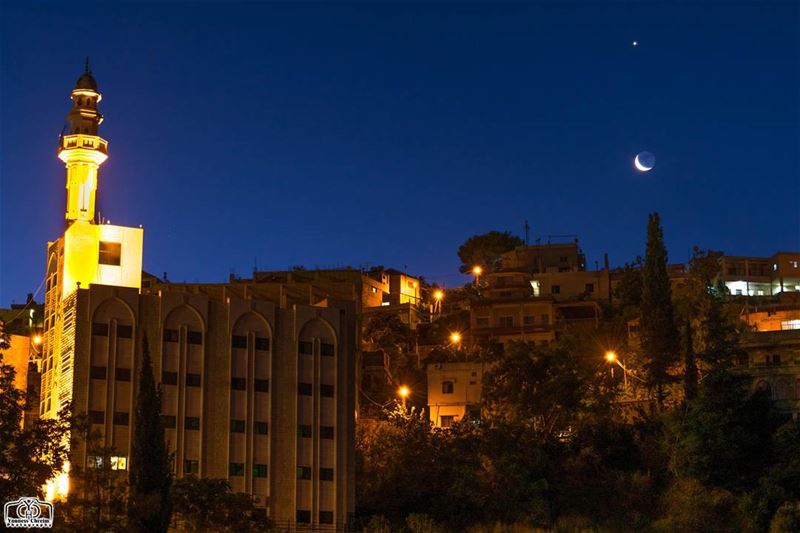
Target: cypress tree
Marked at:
149, 504
659, 335
689, 363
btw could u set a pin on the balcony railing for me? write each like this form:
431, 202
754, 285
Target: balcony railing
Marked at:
88, 142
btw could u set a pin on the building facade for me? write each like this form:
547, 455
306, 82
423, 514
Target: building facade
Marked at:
454, 392
258, 381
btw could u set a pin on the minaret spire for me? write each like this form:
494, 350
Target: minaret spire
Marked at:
82, 149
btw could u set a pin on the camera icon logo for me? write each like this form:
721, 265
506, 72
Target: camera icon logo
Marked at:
28, 512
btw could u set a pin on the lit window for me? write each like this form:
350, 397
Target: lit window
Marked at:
790, 324
110, 253
119, 463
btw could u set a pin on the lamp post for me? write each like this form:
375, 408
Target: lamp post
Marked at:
403, 392
455, 338
477, 271
438, 296
611, 357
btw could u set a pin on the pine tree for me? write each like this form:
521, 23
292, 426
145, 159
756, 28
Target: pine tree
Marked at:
149, 506
658, 332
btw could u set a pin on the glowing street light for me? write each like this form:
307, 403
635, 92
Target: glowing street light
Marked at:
37, 340
477, 270
611, 356
455, 337
404, 392
438, 295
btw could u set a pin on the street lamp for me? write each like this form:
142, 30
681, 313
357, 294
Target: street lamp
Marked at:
404, 393
37, 340
455, 337
438, 295
477, 271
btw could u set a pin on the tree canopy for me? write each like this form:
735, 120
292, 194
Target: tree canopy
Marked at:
484, 250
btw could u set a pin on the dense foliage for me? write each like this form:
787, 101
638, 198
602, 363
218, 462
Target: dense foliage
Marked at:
484, 250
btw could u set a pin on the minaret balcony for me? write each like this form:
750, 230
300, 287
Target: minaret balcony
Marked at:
90, 146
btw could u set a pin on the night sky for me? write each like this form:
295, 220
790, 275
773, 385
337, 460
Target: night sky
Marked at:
362, 134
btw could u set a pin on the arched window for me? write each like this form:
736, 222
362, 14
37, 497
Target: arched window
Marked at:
447, 387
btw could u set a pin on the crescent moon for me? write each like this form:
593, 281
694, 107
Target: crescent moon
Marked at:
639, 165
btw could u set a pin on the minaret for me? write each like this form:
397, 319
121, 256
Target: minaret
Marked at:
82, 150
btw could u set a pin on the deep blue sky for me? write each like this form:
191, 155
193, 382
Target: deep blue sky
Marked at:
344, 134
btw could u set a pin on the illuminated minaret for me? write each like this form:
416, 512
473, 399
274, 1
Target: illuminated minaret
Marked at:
82, 150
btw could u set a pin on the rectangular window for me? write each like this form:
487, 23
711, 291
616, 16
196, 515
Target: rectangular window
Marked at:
261, 385
326, 391
239, 341
506, 321
306, 347
304, 431
261, 428
194, 337
590, 287
235, 469
303, 472
482, 321
171, 335
262, 343
303, 517
528, 320
555, 289
169, 378
326, 474
192, 380
326, 432
122, 374
305, 389
124, 332
169, 421
259, 470
121, 418
191, 466
326, 517
110, 253
97, 417
97, 372
238, 383
119, 462
327, 349
192, 422
237, 426
99, 329
447, 421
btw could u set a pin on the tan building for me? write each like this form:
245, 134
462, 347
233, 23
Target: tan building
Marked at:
761, 276
258, 380
454, 392
773, 348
